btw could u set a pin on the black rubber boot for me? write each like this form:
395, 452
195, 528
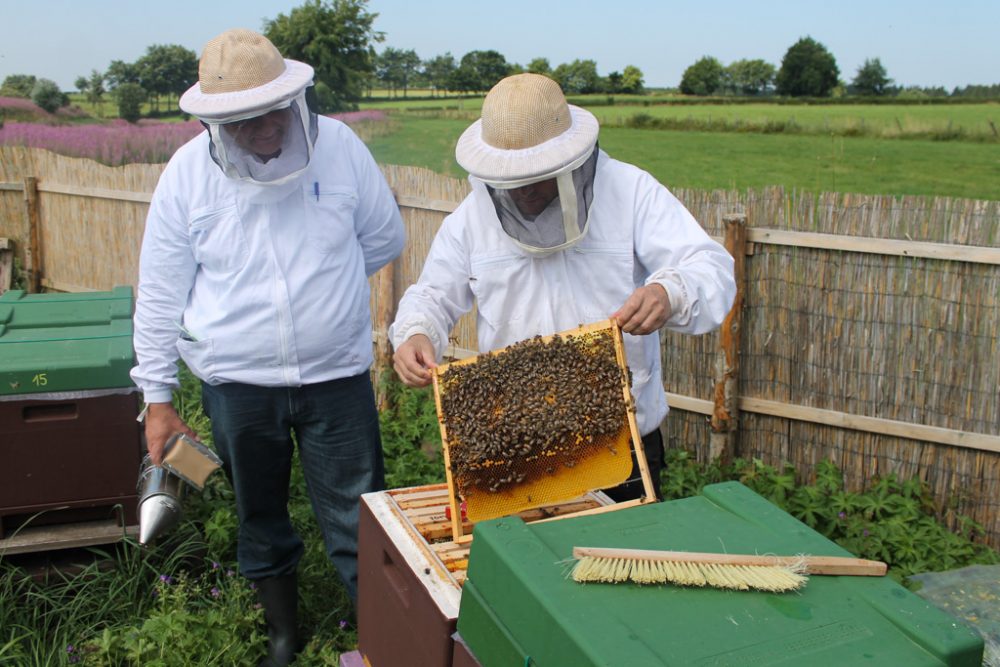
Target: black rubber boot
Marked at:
280, 598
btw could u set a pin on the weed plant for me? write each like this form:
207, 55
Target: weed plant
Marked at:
183, 603
893, 520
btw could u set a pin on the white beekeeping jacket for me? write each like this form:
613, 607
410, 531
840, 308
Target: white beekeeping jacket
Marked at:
263, 284
639, 233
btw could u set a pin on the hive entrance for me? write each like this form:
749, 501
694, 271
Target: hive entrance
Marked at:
542, 421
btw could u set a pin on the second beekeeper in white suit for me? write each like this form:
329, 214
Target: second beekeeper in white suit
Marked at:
554, 234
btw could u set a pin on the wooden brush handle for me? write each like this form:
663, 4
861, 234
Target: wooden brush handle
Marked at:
813, 564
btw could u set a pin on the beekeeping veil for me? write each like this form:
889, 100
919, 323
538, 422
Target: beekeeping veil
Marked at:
527, 134
242, 76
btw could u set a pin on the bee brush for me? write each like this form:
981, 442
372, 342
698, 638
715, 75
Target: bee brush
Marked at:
732, 571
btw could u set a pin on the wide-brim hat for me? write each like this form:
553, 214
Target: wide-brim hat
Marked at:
526, 132
241, 74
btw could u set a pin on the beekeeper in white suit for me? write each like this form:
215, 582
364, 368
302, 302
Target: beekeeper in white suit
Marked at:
555, 234
259, 240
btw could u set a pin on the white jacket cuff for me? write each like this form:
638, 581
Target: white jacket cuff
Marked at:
164, 395
399, 332
680, 301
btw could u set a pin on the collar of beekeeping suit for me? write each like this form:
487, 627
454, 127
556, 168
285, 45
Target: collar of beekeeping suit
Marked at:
527, 133
242, 76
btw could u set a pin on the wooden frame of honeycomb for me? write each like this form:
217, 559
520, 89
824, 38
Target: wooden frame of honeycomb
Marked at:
539, 422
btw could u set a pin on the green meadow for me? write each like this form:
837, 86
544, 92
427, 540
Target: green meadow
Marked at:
740, 160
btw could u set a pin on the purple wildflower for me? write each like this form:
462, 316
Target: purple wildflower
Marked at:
215, 565
21, 104
351, 117
114, 143
73, 659
343, 624
167, 579
842, 515
69, 647
865, 532
215, 592
230, 573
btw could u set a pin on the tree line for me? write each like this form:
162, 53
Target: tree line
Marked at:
808, 69
337, 37
398, 70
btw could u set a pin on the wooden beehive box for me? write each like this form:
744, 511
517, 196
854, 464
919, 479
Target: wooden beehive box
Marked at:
411, 572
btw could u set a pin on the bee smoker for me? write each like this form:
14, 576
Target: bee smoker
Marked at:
160, 495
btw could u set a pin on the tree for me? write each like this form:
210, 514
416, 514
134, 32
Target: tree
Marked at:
46, 94
540, 66
438, 71
479, 71
334, 36
18, 85
751, 77
871, 79
408, 64
578, 77
614, 83
167, 69
130, 97
704, 77
120, 72
92, 88
632, 80
807, 70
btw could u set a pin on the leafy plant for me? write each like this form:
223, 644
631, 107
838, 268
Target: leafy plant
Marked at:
893, 521
186, 620
411, 437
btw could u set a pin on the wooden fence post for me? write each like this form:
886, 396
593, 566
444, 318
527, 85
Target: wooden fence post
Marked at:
725, 413
33, 254
385, 302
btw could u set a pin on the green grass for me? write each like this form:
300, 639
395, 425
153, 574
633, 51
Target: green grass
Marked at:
973, 122
108, 108
725, 160
956, 121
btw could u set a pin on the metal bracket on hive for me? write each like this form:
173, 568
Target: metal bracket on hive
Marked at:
538, 423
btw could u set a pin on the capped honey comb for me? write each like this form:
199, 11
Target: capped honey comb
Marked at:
539, 422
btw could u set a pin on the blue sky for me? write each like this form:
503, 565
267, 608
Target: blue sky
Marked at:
919, 42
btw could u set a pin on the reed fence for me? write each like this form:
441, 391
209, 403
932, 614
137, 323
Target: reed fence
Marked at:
866, 331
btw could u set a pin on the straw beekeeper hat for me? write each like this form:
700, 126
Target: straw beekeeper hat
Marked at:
527, 131
240, 73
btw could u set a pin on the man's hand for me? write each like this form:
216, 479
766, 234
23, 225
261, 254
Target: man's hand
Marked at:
645, 311
162, 421
413, 361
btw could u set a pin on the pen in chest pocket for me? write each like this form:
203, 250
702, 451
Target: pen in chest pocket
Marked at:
316, 189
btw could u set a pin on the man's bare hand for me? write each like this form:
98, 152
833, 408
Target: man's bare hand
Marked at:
414, 360
645, 311
162, 421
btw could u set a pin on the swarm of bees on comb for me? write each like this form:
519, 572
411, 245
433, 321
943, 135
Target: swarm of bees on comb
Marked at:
532, 410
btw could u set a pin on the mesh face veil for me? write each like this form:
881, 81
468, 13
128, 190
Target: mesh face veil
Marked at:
559, 225
527, 134
289, 129
253, 103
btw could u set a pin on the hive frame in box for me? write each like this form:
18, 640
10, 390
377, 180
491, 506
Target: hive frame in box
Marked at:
458, 534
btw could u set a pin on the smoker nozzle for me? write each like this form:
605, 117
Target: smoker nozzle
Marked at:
160, 496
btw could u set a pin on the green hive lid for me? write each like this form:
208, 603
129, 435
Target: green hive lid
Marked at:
519, 603
65, 342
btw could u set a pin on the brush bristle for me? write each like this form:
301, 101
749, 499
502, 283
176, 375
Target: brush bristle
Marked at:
774, 579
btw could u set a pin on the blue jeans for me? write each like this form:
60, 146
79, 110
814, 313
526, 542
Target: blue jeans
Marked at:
335, 424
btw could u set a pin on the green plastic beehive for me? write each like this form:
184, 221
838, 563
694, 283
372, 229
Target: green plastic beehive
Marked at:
520, 607
65, 342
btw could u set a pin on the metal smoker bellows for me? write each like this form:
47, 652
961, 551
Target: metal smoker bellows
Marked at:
186, 462
160, 495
